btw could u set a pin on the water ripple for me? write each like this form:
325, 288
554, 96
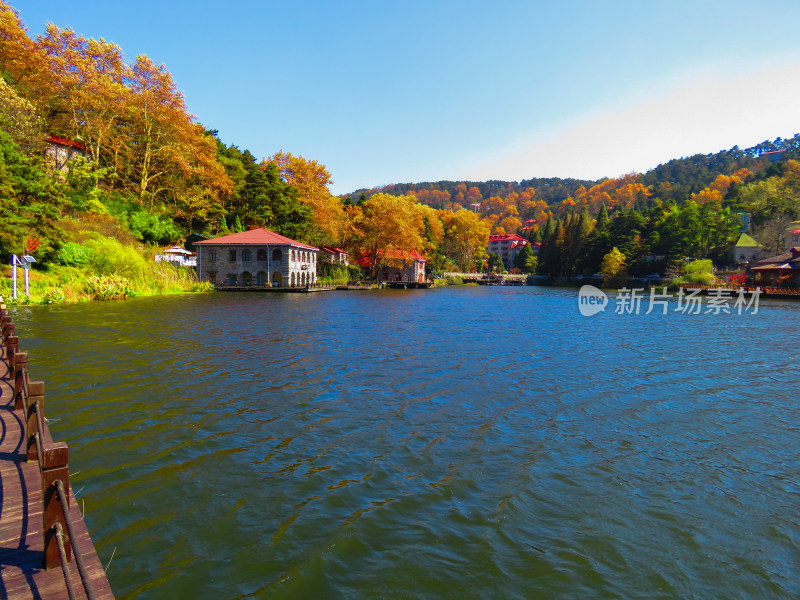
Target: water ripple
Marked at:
457, 443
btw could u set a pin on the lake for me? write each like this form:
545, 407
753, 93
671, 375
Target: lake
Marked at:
470, 442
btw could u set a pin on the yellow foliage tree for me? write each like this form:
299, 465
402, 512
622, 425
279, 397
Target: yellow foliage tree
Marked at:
19, 118
88, 79
312, 180
466, 237
22, 61
386, 223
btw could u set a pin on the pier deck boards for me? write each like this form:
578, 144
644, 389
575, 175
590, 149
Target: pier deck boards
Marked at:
21, 521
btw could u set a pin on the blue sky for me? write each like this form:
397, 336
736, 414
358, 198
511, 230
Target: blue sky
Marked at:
394, 92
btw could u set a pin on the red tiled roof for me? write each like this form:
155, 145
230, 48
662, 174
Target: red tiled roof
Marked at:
333, 250
505, 237
783, 267
255, 237
54, 139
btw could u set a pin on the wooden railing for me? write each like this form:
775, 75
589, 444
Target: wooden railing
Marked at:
52, 458
765, 290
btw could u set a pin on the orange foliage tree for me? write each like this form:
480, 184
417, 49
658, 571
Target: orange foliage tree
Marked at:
312, 180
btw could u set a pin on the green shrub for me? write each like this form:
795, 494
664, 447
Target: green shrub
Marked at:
109, 287
72, 255
202, 286
54, 296
354, 273
153, 228
698, 271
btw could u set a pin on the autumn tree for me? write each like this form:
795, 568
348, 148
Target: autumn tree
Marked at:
168, 149
21, 61
466, 237
20, 119
388, 222
311, 179
89, 79
613, 267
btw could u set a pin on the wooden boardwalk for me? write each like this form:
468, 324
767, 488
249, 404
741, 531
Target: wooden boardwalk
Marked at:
21, 517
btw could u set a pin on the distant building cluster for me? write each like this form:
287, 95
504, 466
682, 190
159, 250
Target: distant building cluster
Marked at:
508, 245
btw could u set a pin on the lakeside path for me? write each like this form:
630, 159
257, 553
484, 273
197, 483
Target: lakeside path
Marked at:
21, 518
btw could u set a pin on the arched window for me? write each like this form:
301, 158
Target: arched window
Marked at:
277, 255
247, 256
261, 255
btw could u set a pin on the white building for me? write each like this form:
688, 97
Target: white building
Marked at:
177, 256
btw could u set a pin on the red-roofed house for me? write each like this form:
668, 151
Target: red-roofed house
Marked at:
412, 269
335, 256
257, 257
507, 246
781, 270
59, 150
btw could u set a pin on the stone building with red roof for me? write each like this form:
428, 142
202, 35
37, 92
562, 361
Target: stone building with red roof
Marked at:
399, 266
335, 256
59, 150
258, 257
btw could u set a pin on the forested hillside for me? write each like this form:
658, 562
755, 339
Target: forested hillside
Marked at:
688, 207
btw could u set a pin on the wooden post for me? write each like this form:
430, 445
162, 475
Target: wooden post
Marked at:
8, 328
12, 347
20, 373
35, 394
54, 466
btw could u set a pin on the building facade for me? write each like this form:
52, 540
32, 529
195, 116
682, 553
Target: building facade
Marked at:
58, 151
782, 270
399, 266
334, 256
258, 257
507, 246
746, 250
178, 257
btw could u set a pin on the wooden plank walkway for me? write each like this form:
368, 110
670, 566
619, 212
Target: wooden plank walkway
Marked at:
21, 520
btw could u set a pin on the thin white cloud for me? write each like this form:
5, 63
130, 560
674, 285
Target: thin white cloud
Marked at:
704, 113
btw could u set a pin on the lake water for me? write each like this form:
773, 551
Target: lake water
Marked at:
469, 442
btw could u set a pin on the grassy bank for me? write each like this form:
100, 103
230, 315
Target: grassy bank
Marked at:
61, 284
99, 266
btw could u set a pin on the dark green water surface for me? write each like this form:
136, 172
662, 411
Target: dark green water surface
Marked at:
456, 443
